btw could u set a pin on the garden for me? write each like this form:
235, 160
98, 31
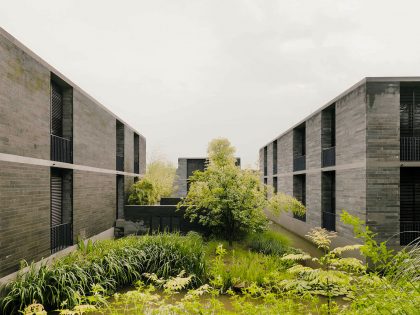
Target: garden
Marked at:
242, 267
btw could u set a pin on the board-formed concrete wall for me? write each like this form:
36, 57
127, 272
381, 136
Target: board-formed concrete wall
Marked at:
367, 167
383, 159
25, 165
350, 165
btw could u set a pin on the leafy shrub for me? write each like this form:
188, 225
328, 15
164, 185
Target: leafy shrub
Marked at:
268, 243
241, 268
108, 264
144, 192
281, 202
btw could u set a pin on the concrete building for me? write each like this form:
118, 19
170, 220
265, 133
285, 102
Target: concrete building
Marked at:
186, 167
65, 160
360, 152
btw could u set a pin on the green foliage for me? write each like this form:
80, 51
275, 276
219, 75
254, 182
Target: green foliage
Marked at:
144, 192
162, 174
206, 300
268, 243
240, 268
335, 275
393, 286
281, 202
225, 198
379, 254
109, 264
164, 266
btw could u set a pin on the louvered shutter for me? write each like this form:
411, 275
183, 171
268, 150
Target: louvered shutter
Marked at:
56, 110
56, 198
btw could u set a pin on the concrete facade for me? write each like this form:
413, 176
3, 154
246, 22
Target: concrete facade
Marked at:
26, 158
367, 160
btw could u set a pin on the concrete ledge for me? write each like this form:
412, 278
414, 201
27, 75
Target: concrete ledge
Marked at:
108, 234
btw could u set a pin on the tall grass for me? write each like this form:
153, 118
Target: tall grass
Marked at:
240, 267
268, 243
110, 264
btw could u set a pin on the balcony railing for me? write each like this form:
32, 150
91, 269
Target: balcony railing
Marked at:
328, 220
299, 163
136, 167
61, 237
120, 163
409, 232
328, 157
61, 149
410, 148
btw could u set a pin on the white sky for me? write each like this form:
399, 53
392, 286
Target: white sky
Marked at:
185, 72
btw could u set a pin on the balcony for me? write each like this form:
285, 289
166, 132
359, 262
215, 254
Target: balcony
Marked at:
299, 163
61, 237
409, 232
120, 163
328, 220
410, 148
136, 167
61, 149
328, 157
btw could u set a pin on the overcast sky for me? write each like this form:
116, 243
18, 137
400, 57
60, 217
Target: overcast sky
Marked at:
185, 72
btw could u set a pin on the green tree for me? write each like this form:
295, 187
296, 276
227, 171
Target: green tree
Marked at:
144, 192
162, 174
228, 200
158, 182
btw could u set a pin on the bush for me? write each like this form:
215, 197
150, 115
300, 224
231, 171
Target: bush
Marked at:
110, 264
240, 268
144, 192
268, 243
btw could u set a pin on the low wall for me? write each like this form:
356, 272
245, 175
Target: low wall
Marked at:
108, 234
148, 219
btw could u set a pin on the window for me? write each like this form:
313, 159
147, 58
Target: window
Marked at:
299, 148
120, 196
328, 200
61, 130
119, 130
409, 204
136, 154
275, 157
328, 136
265, 161
61, 188
409, 122
275, 184
299, 192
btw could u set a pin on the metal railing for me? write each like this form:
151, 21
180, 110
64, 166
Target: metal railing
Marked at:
328, 220
136, 167
410, 148
328, 157
61, 149
61, 236
299, 163
409, 232
120, 163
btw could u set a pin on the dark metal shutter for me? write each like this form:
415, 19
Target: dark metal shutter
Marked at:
275, 157
410, 111
56, 198
265, 161
410, 194
56, 110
